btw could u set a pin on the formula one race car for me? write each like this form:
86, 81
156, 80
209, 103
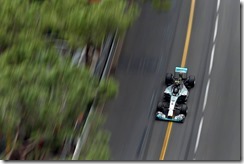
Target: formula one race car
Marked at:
173, 106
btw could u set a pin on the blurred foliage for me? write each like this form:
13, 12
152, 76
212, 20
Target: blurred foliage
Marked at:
97, 145
161, 5
107, 90
77, 21
91, 23
41, 93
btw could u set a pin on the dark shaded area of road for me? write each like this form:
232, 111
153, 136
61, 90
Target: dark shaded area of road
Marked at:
141, 68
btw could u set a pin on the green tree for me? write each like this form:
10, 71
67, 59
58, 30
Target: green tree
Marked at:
41, 92
161, 5
107, 90
97, 145
84, 23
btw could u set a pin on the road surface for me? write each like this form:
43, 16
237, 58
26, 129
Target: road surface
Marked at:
153, 46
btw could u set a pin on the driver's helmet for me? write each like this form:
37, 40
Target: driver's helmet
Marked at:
175, 90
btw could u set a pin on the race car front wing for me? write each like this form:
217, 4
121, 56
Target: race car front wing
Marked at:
179, 118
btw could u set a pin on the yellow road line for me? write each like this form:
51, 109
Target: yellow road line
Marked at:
183, 63
166, 141
188, 34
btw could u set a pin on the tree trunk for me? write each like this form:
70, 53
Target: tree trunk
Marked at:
27, 150
14, 145
8, 144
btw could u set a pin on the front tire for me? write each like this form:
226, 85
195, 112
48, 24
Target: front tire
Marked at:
160, 105
184, 109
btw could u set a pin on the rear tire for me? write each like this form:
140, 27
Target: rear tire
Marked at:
169, 79
191, 81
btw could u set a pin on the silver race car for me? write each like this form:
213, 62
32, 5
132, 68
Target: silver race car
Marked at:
173, 105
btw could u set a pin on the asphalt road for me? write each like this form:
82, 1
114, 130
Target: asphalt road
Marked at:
154, 46
220, 137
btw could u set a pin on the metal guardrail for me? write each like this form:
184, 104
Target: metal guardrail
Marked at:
102, 71
105, 57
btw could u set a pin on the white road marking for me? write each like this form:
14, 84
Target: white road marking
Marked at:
216, 27
218, 4
211, 60
198, 135
207, 87
206, 95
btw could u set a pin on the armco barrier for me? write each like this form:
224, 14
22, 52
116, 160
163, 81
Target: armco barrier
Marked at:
101, 70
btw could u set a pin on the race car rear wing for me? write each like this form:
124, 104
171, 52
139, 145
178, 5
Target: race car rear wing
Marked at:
180, 70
